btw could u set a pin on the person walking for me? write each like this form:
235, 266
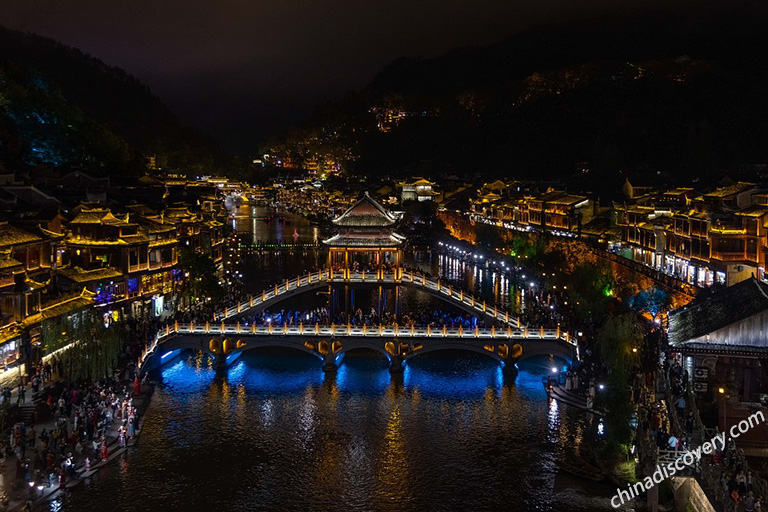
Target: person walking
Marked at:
749, 502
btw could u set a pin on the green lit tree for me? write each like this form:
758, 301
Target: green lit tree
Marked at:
86, 346
591, 290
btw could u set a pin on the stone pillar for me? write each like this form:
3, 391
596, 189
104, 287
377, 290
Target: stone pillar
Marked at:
329, 361
396, 364
220, 362
509, 368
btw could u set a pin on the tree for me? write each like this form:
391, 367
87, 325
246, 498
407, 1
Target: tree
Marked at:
617, 345
202, 281
89, 348
653, 301
591, 290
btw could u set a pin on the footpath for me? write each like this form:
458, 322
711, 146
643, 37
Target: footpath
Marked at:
18, 489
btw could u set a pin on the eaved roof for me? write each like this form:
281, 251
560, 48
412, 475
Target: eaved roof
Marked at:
383, 241
79, 275
730, 190
97, 216
698, 322
7, 261
11, 235
366, 213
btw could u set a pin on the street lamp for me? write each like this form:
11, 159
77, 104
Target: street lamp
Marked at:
724, 397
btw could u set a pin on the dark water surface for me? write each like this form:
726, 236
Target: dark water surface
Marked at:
276, 433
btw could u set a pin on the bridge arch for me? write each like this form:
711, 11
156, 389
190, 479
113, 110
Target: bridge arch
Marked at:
446, 346
155, 359
553, 351
278, 343
368, 345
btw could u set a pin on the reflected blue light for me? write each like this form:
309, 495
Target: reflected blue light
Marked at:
453, 378
183, 377
275, 374
367, 376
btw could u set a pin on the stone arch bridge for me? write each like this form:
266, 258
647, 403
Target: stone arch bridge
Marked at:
226, 342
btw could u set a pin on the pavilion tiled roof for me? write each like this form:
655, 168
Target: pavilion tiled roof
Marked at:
366, 213
724, 308
392, 240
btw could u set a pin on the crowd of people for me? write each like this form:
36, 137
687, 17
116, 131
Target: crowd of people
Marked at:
737, 481
434, 318
85, 419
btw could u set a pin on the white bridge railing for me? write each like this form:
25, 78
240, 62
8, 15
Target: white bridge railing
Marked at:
410, 277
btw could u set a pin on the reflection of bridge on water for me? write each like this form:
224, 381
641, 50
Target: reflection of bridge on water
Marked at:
225, 338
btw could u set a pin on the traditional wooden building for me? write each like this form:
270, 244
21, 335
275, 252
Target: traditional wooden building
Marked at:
724, 340
125, 264
366, 240
366, 245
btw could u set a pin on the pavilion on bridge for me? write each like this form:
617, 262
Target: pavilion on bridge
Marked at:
366, 241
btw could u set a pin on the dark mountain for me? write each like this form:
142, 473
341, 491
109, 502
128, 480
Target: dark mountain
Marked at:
679, 92
61, 107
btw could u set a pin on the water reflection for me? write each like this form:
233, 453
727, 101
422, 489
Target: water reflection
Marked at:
276, 433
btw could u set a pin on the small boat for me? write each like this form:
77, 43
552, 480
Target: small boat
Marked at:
583, 470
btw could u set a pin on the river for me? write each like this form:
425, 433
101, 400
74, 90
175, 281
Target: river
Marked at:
276, 433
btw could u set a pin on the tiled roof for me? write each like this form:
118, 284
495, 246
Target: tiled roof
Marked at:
7, 261
365, 212
61, 306
724, 308
756, 210
392, 240
730, 190
11, 235
79, 275
678, 191
694, 347
97, 216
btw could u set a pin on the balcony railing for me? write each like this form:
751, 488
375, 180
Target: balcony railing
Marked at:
728, 255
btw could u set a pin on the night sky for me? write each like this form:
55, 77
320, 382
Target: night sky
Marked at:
244, 69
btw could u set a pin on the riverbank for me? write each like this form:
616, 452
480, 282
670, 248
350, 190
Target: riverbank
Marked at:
18, 490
